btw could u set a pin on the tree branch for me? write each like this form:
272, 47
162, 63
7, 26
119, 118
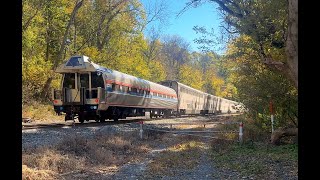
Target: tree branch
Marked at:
63, 43
231, 32
227, 9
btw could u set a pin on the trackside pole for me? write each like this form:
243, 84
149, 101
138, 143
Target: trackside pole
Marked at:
141, 130
272, 120
240, 132
272, 123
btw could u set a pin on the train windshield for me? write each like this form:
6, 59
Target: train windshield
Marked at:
83, 80
96, 80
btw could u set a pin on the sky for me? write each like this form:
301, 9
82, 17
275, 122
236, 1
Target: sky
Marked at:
205, 15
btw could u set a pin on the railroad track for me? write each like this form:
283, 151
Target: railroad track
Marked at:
69, 124
92, 123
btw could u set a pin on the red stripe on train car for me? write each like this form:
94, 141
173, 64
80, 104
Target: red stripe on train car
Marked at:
126, 105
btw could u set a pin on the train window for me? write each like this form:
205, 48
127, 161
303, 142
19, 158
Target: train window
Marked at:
134, 90
125, 89
69, 80
96, 81
84, 80
115, 87
75, 61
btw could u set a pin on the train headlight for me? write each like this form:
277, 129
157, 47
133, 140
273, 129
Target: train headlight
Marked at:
93, 107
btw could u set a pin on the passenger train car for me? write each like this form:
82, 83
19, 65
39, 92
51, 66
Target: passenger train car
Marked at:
90, 91
193, 101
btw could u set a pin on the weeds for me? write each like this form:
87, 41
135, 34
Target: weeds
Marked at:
184, 154
40, 112
76, 153
252, 158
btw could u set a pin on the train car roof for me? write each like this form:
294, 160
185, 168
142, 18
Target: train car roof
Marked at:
186, 86
77, 64
129, 80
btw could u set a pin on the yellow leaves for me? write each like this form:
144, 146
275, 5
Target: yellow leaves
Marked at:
35, 71
191, 77
217, 84
91, 52
157, 71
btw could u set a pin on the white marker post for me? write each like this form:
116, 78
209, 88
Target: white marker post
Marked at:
240, 132
272, 123
141, 130
272, 120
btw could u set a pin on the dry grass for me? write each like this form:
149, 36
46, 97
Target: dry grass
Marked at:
52, 160
183, 154
40, 112
79, 154
33, 173
193, 127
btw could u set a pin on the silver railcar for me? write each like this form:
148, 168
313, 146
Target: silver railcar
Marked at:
90, 91
193, 101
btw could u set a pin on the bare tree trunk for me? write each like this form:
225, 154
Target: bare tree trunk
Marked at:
63, 43
46, 88
292, 41
59, 56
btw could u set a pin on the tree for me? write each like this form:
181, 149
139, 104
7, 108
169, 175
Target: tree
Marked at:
257, 85
176, 52
57, 56
271, 24
191, 77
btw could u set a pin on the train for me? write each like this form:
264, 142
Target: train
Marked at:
92, 92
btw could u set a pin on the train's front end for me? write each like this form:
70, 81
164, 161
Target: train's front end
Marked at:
82, 89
